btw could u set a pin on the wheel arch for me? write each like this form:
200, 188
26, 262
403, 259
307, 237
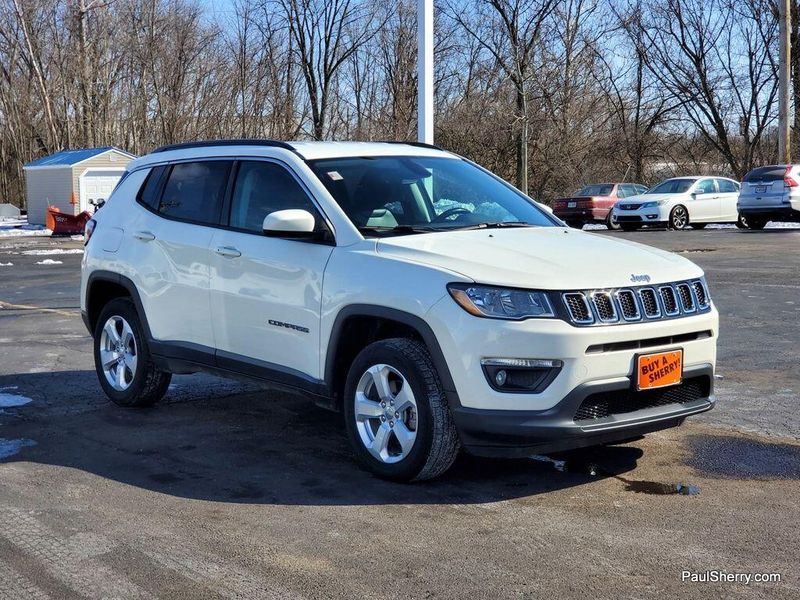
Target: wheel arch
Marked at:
358, 325
104, 286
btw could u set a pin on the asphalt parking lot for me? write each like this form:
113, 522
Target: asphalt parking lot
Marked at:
226, 490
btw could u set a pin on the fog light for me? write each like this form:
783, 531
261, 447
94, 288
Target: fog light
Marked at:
520, 375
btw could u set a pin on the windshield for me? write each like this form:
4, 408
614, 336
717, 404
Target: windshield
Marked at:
672, 186
387, 195
598, 189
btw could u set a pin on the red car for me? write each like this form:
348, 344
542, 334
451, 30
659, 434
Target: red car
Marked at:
593, 203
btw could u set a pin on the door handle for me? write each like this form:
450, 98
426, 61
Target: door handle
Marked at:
144, 236
228, 252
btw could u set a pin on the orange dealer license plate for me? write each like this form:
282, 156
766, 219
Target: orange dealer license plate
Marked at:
659, 370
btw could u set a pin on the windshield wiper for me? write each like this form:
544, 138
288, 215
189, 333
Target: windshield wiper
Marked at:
500, 225
398, 229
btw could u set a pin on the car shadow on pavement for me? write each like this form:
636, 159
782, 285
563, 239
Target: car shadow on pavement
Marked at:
238, 444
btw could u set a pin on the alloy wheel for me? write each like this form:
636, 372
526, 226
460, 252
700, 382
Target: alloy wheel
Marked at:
385, 413
679, 217
118, 353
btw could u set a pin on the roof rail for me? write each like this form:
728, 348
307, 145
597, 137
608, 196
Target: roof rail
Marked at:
417, 144
233, 142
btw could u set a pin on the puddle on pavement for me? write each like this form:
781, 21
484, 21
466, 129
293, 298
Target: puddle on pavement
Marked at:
695, 251
743, 458
659, 489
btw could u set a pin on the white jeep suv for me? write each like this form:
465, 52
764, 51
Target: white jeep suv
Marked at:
431, 302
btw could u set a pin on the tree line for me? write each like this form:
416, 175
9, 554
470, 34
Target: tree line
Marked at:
551, 94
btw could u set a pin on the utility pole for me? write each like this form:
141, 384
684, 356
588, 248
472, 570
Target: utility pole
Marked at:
425, 71
784, 134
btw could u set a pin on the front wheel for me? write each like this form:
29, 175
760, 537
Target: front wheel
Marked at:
678, 218
396, 413
122, 359
611, 224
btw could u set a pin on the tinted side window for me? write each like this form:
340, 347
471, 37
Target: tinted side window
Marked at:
641, 189
622, 191
726, 187
195, 191
148, 195
262, 188
706, 186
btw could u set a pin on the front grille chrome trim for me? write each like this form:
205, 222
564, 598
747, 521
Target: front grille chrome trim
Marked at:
636, 304
626, 293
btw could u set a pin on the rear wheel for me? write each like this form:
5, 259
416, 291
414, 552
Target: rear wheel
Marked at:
396, 412
122, 360
698, 225
755, 222
629, 226
678, 217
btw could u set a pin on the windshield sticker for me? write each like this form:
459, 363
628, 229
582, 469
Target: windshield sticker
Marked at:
335, 175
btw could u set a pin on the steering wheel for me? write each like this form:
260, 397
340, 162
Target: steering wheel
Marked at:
450, 212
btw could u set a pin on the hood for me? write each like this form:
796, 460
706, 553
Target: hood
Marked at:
548, 258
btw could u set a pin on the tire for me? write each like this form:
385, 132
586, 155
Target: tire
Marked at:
630, 226
576, 224
140, 383
400, 365
678, 218
613, 226
741, 222
697, 226
756, 223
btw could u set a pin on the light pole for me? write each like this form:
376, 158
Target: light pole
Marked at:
425, 71
784, 136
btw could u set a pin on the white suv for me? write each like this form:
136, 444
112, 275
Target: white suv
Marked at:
431, 302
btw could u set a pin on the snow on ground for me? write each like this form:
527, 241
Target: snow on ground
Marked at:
47, 252
6, 264
772, 225
49, 261
17, 226
12, 400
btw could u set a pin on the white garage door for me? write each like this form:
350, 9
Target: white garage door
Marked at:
97, 185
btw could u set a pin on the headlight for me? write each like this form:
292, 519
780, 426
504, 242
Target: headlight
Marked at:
653, 204
500, 303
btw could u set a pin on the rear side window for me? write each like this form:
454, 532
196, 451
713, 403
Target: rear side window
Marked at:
262, 188
771, 173
726, 187
194, 191
706, 186
148, 195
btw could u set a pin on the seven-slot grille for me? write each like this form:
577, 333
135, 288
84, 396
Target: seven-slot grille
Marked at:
645, 303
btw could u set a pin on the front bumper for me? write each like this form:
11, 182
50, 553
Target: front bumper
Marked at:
501, 433
640, 216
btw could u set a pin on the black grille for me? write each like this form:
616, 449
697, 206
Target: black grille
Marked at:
627, 304
700, 292
687, 300
669, 300
650, 303
629, 206
604, 404
604, 306
578, 309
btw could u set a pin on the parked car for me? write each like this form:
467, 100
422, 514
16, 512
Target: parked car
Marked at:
770, 193
680, 202
432, 303
593, 203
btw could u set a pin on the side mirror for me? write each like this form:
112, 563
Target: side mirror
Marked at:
292, 223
